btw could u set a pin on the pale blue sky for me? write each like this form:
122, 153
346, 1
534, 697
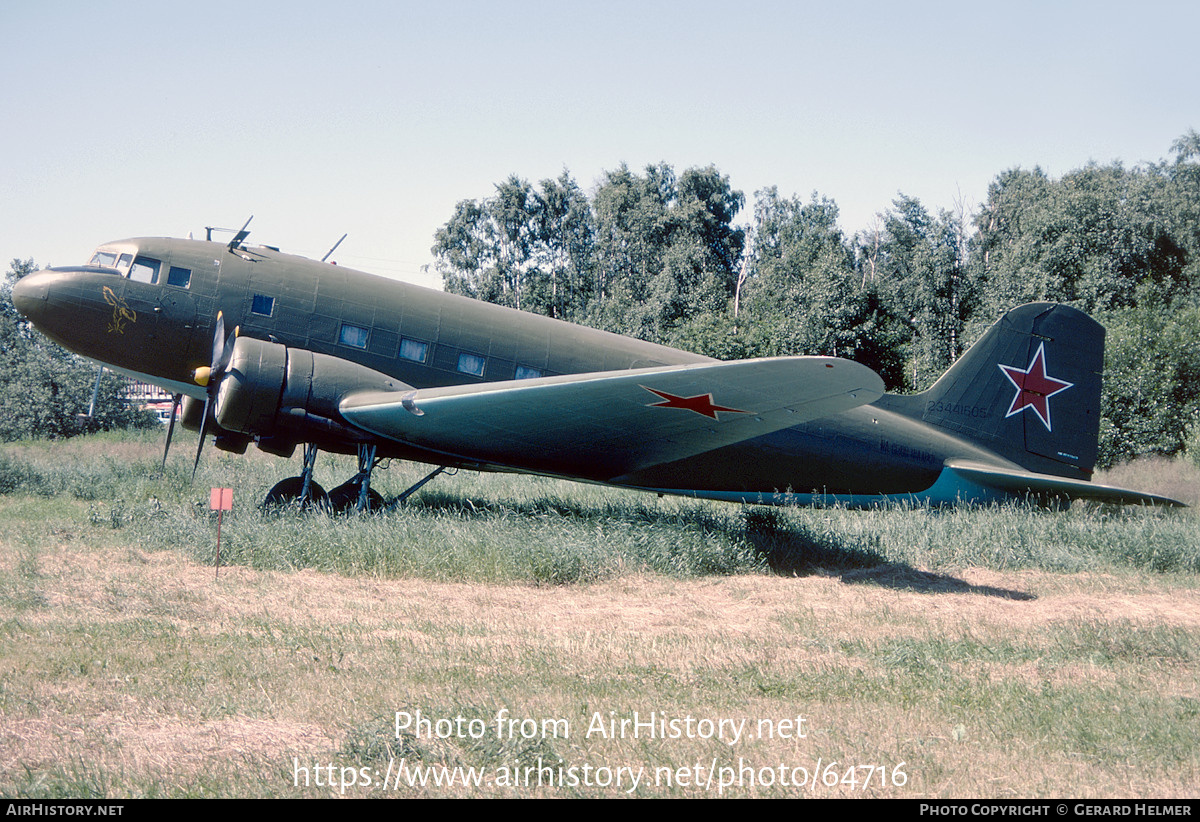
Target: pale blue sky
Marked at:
374, 118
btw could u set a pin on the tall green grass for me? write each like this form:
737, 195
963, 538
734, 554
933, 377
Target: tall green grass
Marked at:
512, 528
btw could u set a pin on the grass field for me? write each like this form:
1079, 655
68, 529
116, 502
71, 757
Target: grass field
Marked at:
551, 639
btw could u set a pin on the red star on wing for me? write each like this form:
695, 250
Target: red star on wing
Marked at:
1034, 387
701, 403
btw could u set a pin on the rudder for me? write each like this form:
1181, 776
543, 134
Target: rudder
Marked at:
1029, 390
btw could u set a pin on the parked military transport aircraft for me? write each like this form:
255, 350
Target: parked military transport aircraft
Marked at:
335, 359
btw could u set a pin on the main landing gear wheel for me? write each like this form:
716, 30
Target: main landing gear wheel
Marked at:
290, 493
345, 498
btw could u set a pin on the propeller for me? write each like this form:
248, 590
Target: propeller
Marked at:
176, 399
210, 377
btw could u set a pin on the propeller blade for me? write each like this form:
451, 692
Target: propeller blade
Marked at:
95, 393
222, 354
218, 348
203, 431
175, 401
222, 350
220, 364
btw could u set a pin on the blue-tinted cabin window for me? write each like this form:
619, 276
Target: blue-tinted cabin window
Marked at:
414, 350
353, 335
265, 306
179, 277
145, 270
524, 372
471, 364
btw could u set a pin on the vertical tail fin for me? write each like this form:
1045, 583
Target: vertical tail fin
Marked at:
1029, 390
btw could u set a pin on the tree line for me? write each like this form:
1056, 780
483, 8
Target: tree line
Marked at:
45, 390
660, 255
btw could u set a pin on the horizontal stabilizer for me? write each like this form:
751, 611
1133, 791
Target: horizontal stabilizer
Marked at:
1018, 482
602, 425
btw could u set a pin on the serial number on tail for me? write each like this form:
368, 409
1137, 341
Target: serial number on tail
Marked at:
974, 411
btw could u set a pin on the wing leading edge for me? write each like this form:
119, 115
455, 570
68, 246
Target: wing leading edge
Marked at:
603, 425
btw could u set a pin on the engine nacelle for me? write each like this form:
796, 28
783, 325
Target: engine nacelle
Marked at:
192, 416
282, 394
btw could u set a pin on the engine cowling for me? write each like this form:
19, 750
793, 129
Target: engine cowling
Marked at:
192, 416
286, 395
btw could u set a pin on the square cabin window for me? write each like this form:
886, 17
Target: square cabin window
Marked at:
524, 372
354, 336
471, 364
265, 306
179, 277
414, 350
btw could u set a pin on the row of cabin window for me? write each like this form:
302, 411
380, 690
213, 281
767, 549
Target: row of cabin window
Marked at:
356, 336
147, 270
416, 351
143, 269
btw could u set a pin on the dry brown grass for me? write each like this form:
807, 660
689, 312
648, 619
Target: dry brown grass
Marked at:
141, 669
1174, 478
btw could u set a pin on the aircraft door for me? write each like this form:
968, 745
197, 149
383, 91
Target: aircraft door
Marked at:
176, 310
187, 292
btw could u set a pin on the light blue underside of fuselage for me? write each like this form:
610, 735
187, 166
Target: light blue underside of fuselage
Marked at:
949, 488
188, 389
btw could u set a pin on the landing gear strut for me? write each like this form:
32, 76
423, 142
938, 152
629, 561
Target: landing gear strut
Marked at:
356, 493
417, 486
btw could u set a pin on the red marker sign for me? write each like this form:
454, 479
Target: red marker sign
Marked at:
220, 500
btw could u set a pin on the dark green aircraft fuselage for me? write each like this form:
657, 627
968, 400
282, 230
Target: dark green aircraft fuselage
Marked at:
148, 307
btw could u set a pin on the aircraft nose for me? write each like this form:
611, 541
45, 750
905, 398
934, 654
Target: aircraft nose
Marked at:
29, 293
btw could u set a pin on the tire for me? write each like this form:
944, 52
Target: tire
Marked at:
344, 498
286, 494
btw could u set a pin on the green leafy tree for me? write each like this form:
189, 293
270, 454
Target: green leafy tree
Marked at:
527, 247
486, 250
45, 391
1182, 207
656, 255
803, 295
666, 249
633, 228
919, 268
1151, 382
566, 238
1100, 238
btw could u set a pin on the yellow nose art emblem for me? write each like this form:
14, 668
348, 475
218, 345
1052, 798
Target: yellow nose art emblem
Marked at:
121, 312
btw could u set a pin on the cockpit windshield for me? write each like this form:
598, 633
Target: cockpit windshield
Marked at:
125, 260
104, 259
111, 258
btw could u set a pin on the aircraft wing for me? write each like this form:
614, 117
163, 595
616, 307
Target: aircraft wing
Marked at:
602, 425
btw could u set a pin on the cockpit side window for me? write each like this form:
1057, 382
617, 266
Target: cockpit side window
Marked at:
145, 270
124, 261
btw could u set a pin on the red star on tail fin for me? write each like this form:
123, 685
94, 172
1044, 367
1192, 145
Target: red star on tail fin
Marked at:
1034, 387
